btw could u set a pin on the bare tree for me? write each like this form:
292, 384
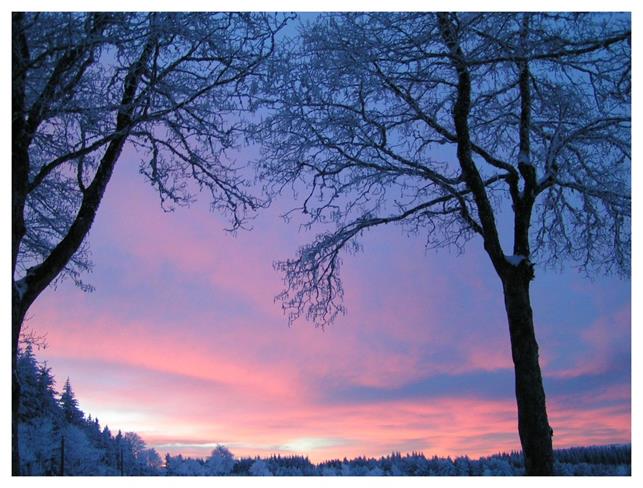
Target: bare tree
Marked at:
84, 85
439, 122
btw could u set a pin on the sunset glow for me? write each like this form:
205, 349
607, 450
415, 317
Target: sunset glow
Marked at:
183, 343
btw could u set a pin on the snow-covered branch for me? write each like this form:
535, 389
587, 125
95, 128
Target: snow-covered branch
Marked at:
375, 114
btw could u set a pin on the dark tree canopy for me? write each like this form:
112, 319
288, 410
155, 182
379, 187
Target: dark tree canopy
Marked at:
172, 86
452, 124
365, 132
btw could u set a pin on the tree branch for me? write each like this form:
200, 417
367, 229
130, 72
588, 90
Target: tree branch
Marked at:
471, 173
40, 276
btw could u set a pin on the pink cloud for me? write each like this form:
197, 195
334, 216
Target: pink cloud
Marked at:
246, 379
606, 338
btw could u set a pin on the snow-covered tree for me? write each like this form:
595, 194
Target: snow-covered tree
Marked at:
81, 458
497, 467
150, 462
448, 124
130, 456
170, 465
375, 471
345, 469
28, 376
220, 462
69, 405
462, 466
180, 466
86, 84
38, 446
260, 468
590, 461
93, 431
55, 438
328, 471
48, 406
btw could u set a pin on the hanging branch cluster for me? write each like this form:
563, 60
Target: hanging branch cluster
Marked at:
84, 84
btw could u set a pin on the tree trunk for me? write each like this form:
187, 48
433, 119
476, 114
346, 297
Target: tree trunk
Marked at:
533, 426
17, 316
38, 277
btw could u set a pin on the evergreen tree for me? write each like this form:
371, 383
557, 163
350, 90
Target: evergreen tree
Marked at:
56, 439
107, 444
38, 451
118, 451
93, 431
46, 392
69, 404
27, 369
81, 457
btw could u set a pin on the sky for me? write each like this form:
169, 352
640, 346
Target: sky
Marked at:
183, 343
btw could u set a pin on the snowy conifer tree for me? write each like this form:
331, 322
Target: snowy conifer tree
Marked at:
69, 405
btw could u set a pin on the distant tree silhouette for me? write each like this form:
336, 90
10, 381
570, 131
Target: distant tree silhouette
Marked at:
414, 464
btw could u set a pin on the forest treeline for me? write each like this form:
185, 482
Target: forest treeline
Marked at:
57, 438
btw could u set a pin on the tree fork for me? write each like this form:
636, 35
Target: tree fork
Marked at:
533, 427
